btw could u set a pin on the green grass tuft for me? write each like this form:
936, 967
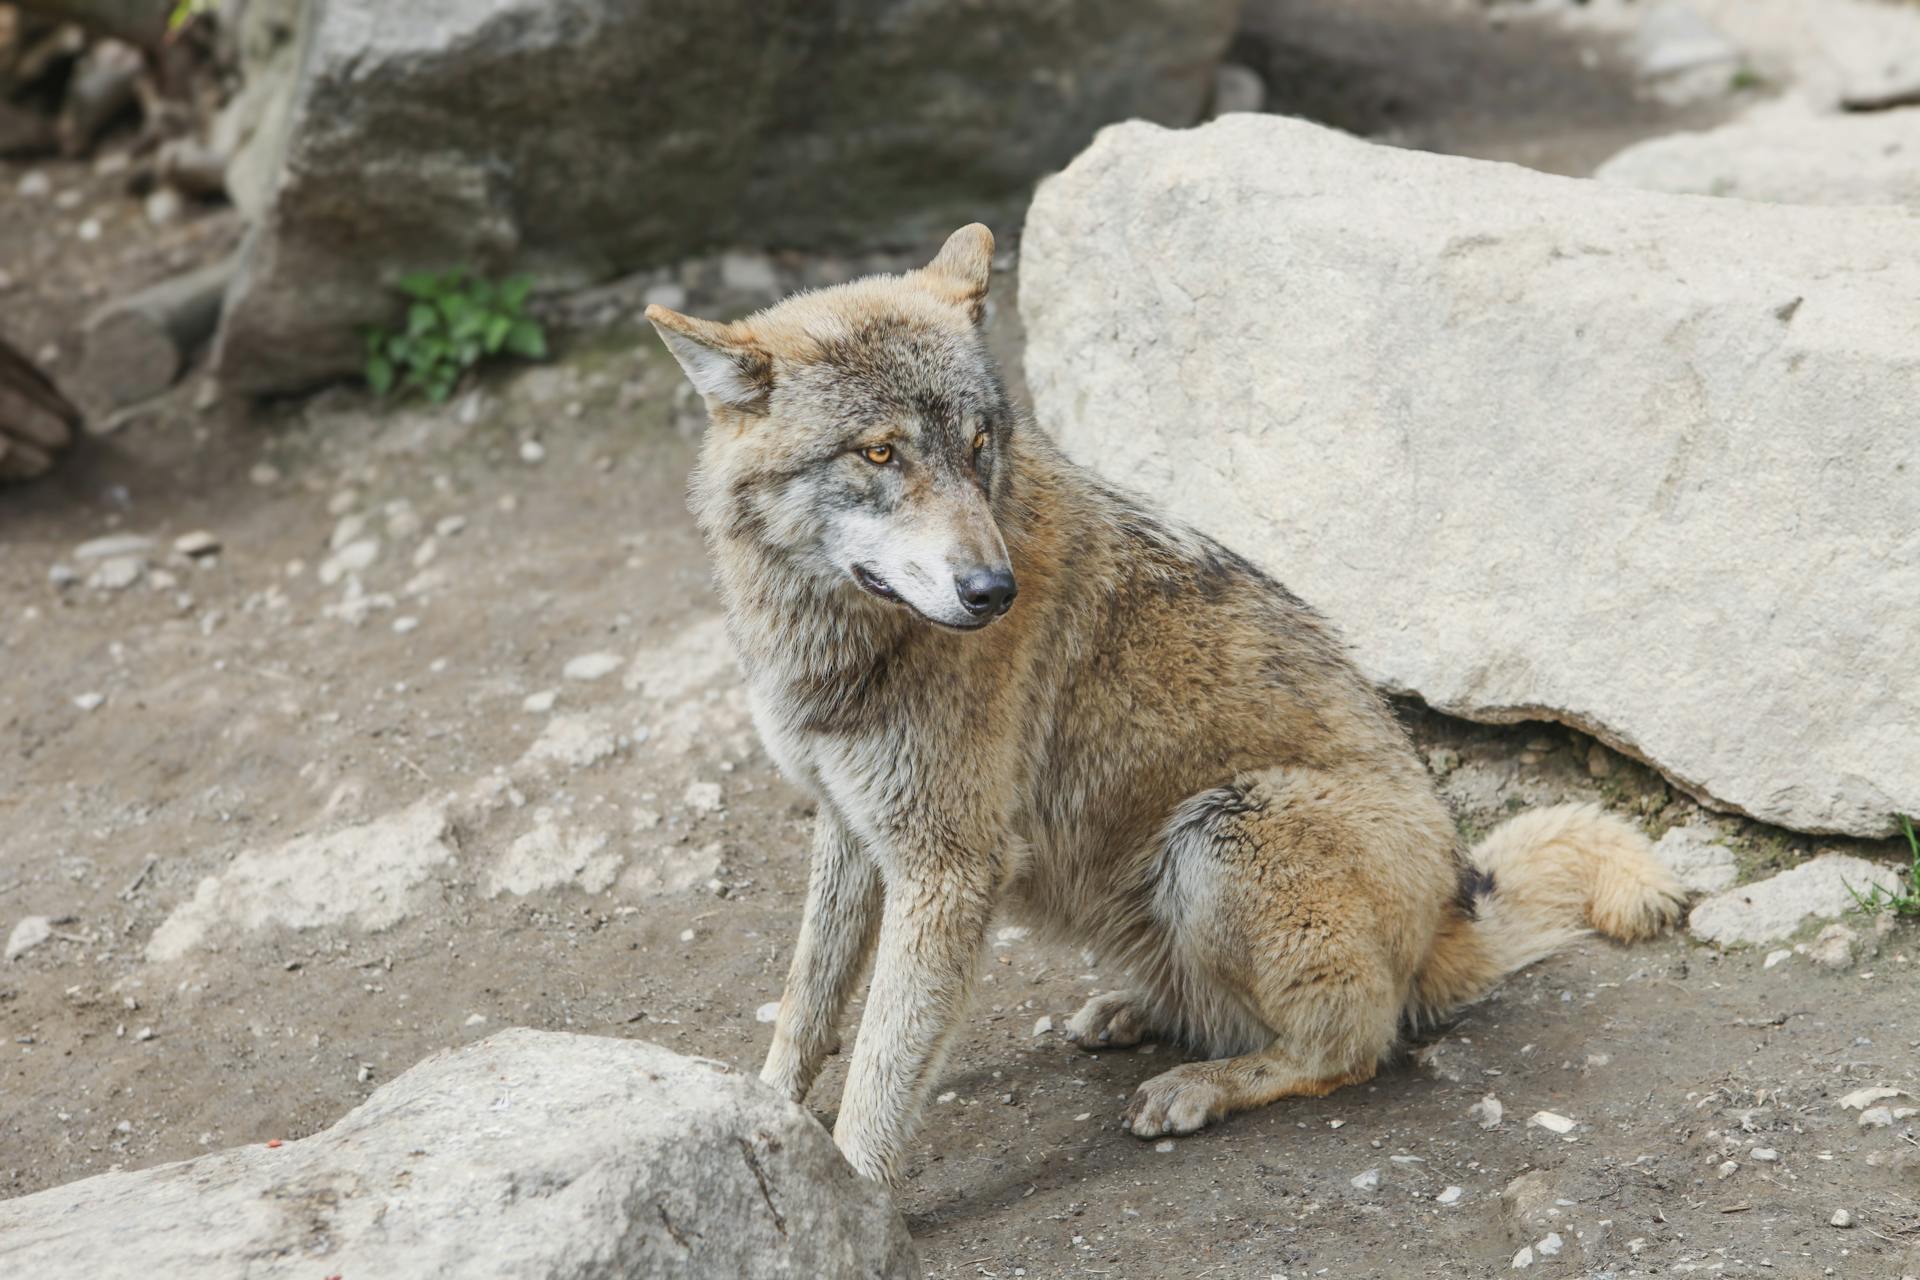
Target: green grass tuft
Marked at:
1905, 903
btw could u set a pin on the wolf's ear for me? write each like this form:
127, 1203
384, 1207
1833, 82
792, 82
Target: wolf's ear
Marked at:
721, 360
960, 270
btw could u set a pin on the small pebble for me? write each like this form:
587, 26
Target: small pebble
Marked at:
1450, 1196
1841, 1218
1367, 1180
539, 703
767, 1012
1163, 1146
1766, 1155
90, 701
532, 452
591, 666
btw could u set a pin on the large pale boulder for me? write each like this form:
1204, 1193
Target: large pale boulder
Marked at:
1543, 448
1786, 154
582, 139
529, 1155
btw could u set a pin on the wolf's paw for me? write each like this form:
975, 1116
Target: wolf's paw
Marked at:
1110, 1021
1182, 1100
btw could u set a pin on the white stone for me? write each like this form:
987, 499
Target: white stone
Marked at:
539, 703
551, 856
90, 701
1876, 1118
1777, 957
1867, 1097
1449, 1196
1841, 1218
1500, 426
200, 542
1366, 1180
1551, 1121
1771, 909
768, 1012
1697, 859
1785, 154
1524, 1258
28, 933
1043, 1024
573, 742
364, 876
1488, 1112
527, 1153
703, 797
673, 868
1765, 1155
591, 666
1549, 1245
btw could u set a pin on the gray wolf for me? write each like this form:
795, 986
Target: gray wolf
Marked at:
1012, 687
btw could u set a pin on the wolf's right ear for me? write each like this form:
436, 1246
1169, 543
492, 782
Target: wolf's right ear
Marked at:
961, 269
721, 360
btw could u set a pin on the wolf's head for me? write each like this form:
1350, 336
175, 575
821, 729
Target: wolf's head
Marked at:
860, 435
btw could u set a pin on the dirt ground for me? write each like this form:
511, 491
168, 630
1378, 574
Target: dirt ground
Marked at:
459, 673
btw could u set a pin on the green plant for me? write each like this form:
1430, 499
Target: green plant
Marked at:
185, 11
454, 321
1905, 903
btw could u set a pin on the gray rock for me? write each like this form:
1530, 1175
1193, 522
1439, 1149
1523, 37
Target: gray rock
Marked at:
1237, 88
1834, 948
27, 934
1697, 859
1501, 427
1785, 154
1675, 37
1771, 909
485, 133
118, 573
526, 1154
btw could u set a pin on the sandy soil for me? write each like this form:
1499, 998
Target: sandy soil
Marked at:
486, 840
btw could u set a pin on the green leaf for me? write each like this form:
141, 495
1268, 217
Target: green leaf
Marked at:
513, 293
380, 374
424, 285
422, 319
496, 332
526, 338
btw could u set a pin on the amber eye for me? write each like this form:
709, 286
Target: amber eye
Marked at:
979, 441
878, 454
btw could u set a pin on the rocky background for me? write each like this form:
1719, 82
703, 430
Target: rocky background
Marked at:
385, 824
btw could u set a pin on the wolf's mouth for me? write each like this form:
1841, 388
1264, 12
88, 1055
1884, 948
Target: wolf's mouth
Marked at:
872, 582
874, 585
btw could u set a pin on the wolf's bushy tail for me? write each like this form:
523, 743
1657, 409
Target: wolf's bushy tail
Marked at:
1549, 876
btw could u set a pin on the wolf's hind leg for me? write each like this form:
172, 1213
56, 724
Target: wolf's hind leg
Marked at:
1112, 1020
1298, 904
837, 933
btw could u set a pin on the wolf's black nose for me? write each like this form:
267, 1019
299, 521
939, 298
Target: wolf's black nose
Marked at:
985, 591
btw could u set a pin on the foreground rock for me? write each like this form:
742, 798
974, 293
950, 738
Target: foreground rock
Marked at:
487, 134
527, 1154
1542, 448
1786, 155
1772, 909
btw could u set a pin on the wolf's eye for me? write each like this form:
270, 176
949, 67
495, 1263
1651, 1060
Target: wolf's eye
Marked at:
878, 454
979, 441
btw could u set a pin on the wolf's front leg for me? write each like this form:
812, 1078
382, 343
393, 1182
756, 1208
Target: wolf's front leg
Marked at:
836, 933
931, 935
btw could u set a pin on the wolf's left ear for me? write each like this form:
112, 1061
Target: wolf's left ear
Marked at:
960, 270
721, 360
